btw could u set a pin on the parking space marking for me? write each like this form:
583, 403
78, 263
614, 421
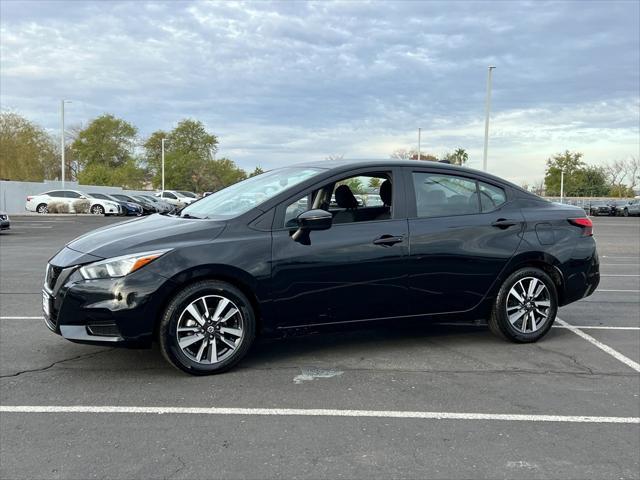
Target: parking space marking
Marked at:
624, 275
314, 412
597, 327
605, 348
616, 256
624, 291
21, 318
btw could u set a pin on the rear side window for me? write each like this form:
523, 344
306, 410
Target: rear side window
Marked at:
491, 197
69, 194
56, 193
444, 195
169, 195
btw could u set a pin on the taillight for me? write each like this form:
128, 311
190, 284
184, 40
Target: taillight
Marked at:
585, 223
29, 198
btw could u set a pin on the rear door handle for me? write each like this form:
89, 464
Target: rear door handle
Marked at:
504, 223
388, 240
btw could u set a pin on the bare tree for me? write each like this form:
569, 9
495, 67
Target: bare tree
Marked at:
403, 154
615, 173
632, 171
334, 157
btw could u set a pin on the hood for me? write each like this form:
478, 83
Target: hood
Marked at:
148, 233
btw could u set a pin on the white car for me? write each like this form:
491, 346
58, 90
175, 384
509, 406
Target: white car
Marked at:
175, 198
40, 203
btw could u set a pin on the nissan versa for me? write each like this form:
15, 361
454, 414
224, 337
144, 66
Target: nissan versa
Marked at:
294, 248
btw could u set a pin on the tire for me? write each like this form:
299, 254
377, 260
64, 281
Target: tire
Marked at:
214, 334
97, 209
625, 212
499, 321
42, 208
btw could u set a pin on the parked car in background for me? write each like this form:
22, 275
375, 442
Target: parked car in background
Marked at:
617, 206
147, 208
188, 194
175, 198
97, 206
631, 208
128, 208
161, 205
245, 262
5, 222
599, 207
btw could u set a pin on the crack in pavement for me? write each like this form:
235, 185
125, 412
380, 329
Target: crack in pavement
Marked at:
42, 369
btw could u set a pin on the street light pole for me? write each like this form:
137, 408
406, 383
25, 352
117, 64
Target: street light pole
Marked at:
561, 185
62, 141
163, 163
419, 134
486, 119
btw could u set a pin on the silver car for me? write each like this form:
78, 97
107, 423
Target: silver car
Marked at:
631, 208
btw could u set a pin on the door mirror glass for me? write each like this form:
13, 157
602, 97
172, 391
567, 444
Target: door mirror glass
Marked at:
315, 220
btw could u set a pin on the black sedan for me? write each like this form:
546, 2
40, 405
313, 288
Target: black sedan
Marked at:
271, 255
147, 207
599, 208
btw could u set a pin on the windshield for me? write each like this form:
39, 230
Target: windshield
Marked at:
243, 196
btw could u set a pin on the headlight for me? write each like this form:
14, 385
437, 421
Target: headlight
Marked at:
119, 266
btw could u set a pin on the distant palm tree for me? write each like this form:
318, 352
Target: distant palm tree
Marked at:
460, 156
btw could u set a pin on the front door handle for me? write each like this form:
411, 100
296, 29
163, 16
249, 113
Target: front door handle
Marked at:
388, 240
504, 223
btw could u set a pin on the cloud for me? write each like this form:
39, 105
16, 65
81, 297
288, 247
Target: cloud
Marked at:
289, 81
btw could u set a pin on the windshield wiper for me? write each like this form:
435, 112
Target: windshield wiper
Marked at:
187, 215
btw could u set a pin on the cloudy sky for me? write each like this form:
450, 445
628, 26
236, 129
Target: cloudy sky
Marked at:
281, 82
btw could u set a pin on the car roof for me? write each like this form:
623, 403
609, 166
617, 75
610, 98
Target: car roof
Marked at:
447, 168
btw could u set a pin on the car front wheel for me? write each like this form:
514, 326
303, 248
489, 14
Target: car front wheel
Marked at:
207, 328
525, 308
97, 210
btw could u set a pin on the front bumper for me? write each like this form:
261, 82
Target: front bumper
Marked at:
116, 312
5, 224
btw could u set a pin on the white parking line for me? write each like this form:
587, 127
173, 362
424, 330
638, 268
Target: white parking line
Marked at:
597, 327
616, 256
605, 348
313, 412
618, 291
21, 318
616, 275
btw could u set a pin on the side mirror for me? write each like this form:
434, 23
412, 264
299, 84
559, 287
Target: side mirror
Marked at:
311, 220
315, 220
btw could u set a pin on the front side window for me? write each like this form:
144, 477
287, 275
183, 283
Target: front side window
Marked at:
70, 194
169, 195
444, 195
361, 198
241, 197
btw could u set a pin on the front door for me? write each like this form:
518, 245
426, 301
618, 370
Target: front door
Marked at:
355, 270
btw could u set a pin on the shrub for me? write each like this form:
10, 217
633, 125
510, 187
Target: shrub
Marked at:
58, 207
81, 206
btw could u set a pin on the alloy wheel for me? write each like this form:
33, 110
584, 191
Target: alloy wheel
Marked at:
97, 210
528, 305
210, 329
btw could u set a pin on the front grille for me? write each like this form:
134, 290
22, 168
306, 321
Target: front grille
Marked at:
52, 275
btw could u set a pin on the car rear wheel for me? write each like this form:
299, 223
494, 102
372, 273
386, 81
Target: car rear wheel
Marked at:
525, 307
42, 208
207, 328
97, 210
625, 212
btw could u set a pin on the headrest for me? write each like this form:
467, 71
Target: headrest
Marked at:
385, 192
345, 198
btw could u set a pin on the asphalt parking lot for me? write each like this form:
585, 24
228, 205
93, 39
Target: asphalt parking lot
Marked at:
432, 401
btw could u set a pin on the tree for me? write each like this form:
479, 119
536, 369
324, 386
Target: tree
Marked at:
374, 182
27, 152
189, 158
458, 157
580, 180
404, 154
105, 153
623, 176
256, 171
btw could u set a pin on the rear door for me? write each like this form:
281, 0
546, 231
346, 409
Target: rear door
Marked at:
462, 234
